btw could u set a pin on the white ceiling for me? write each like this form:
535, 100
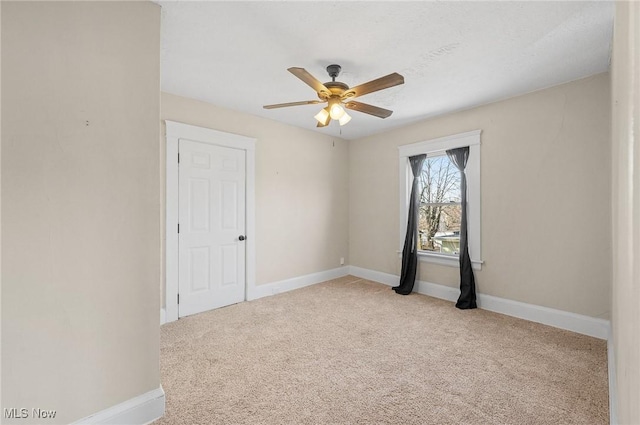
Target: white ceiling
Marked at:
453, 55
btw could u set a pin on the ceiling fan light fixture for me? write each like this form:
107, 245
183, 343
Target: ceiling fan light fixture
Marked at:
323, 116
336, 110
345, 118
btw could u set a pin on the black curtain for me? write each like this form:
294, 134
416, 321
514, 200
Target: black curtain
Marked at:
409, 251
467, 297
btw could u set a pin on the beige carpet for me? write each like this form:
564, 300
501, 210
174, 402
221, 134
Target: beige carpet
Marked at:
350, 351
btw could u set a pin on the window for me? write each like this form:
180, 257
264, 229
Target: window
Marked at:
440, 211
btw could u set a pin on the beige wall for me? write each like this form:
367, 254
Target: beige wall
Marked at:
0, 204
545, 187
625, 87
81, 205
301, 189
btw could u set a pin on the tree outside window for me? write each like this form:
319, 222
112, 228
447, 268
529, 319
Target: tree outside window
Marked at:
440, 208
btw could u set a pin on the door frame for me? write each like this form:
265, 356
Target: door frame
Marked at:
174, 132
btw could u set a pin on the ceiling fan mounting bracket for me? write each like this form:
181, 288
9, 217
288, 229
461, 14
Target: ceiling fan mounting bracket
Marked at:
334, 71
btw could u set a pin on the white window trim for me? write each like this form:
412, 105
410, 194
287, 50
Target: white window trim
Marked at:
472, 170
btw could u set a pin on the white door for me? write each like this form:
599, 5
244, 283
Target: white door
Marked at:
211, 227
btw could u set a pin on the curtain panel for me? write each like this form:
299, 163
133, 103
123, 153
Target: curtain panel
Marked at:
410, 249
467, 297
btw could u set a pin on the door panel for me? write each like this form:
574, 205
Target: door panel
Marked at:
199, 205
212, 217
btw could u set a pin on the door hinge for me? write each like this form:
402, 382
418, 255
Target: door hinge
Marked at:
178, 157
178, 227
178, 298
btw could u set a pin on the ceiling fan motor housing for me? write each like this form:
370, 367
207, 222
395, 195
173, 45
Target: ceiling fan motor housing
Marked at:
336, 88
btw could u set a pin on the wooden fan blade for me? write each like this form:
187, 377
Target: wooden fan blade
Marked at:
381, 83
368, 109
284, 105
311, 81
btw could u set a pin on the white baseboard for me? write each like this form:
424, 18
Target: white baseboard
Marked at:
139, 410
613, 381
425, 288
267, 289
586, 325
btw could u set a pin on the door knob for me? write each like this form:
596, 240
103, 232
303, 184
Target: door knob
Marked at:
241, 237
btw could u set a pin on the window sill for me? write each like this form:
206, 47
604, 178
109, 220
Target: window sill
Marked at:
444, 260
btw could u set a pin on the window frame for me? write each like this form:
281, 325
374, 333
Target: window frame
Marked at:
435, 147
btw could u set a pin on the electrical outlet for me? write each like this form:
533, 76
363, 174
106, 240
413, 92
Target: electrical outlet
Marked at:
342, 261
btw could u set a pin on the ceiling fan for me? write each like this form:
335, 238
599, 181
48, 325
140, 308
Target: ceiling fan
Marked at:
338, 95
